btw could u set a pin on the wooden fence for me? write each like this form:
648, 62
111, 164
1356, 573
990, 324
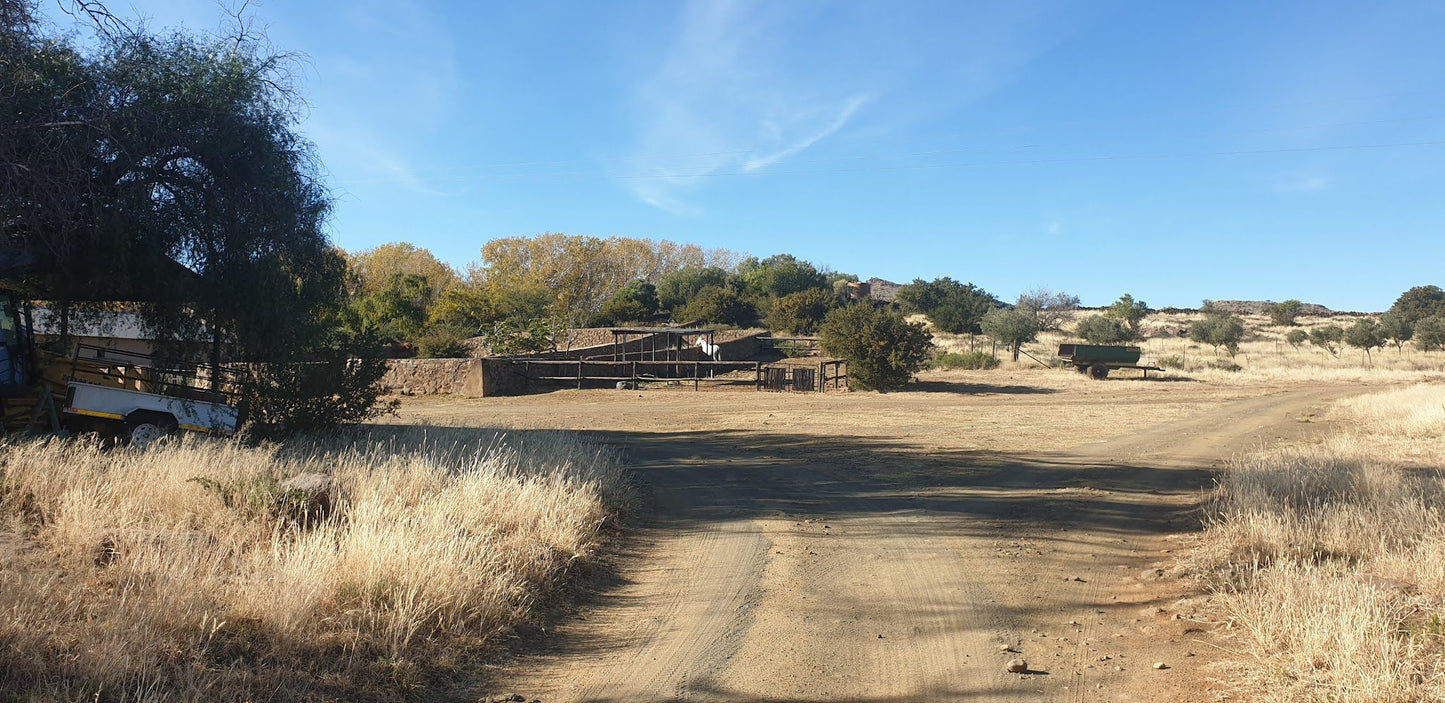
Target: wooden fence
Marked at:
827, 375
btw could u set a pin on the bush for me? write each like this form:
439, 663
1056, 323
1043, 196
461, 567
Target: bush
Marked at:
883, 349
1173, 361
337, 389
1297, 338
801, 312
635, 302
1010, 327
1223, 365
1102, 329
1131, 312
1284, 314
1218, 330
442, 344
720, 306
971, 360
952, 307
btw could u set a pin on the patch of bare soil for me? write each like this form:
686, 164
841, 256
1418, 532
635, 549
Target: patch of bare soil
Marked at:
907, 546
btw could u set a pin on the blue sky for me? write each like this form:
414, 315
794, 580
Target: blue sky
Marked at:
1177, 151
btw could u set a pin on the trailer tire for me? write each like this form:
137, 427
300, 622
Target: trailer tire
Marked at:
1098, 372
144, 428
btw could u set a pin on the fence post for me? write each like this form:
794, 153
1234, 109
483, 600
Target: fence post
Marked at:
758, 372
579, 374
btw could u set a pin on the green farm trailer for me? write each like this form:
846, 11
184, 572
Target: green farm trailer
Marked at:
1097, 360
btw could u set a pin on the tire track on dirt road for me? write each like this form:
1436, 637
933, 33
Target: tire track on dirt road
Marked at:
778, 573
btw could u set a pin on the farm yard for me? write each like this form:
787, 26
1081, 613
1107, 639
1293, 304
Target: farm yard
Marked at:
256, 446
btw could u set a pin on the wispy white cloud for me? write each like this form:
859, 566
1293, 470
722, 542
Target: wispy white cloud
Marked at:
722, 98
846, 114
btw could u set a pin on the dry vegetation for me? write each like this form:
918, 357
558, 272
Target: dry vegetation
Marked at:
1330, 557
1264, 355
124, 577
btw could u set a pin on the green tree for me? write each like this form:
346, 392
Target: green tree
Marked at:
1430, 333
1297, 338
398, 310
780, 275
720, 306
1397, 329
1328, 338
1131, 312
1102, 329
1420, 302
1011, 327
1284, 314
635, 302
883, 349
168, 170
676, 289
1365, 334
952, 307
1218, 329
802, 312
465, 311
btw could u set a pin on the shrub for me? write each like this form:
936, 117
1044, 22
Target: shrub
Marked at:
1011, 327
883, 349
442, 343
1129, 311
1284, 314
1102, 329
1297, 337
1223, 365
971, 360
1218, 330
801, 312
1173, 361
329, 391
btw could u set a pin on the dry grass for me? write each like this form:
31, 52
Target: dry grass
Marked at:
1264, 355
1330, 558
124, 578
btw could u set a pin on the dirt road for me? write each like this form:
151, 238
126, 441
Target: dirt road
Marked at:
805, 548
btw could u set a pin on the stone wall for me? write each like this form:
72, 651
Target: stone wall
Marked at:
469, 377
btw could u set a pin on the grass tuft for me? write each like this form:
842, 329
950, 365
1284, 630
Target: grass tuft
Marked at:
179, 574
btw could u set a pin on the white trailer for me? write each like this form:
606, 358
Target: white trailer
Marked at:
143, 418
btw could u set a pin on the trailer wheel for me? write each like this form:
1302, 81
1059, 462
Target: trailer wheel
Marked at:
143, 428
1098, 372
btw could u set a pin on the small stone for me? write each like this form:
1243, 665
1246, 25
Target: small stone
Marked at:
1151, 574
1160, 665
1016, 666
1005, 648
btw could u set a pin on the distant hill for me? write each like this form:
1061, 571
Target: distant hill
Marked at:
1257, 307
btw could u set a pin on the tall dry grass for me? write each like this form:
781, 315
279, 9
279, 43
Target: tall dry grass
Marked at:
1329, 558
176, 574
